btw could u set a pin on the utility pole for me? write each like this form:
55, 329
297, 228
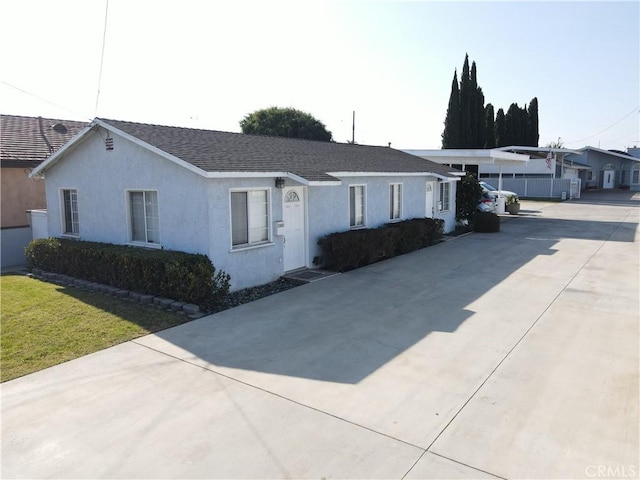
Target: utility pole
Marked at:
353, 128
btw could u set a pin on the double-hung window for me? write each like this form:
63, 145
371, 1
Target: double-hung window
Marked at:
395, 201
445, 196
249, 218
356, 206
70, 224
635, 174
145, 221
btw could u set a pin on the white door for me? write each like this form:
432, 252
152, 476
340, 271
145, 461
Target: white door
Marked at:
428, 209
609, 179
294, 233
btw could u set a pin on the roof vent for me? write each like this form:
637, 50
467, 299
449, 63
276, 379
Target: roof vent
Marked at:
60, 128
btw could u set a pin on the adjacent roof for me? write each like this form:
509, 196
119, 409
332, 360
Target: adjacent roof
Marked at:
614, 153
454, 156
27, 141
216, 153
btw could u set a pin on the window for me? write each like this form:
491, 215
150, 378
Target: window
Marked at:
623, 177
591, 175
145, 222
635, 174
70, 212
443, 204
249, 217
356, 206
395, 201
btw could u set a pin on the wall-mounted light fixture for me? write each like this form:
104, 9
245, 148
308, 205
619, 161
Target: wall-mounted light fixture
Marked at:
279, 182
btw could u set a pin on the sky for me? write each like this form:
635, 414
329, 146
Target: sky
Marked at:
207, 64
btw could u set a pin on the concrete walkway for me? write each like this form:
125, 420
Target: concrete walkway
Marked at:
509, 355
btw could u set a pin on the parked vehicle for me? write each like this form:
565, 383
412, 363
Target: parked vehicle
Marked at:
487, 203
494, 191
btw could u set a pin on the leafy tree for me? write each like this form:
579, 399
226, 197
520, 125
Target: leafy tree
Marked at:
468, 193
451, 134
285, 122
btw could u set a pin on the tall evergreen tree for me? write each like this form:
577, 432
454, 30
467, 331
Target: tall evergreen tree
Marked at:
534, 135
451, 134
501, 130
512, 125
466, 92
489, 127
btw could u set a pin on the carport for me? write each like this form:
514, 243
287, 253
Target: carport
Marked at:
463, 158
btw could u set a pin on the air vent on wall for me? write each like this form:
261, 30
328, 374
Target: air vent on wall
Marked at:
108, 142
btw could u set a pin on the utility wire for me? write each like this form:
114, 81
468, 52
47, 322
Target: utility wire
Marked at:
22, 90
610, 126
104, 41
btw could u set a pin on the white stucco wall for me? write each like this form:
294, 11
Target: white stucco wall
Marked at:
102, 179
328, 209
194, 212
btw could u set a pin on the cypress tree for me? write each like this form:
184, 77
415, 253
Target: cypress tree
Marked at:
512, 125
534, 135
466, 138
489, 127
451, 134
501, 130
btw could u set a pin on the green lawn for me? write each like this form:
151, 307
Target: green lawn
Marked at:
44, 324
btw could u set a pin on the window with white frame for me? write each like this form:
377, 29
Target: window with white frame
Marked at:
144, 217
70, 225
249, 217
356, 206
395, 201
445, 195
591, 175
635, 174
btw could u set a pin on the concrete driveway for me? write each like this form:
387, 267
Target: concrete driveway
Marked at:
510, 355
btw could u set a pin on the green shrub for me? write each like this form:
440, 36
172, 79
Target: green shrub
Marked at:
486, 222
344, 251
468, 194
182, 276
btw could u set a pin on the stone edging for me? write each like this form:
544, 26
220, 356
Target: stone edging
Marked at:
189, 309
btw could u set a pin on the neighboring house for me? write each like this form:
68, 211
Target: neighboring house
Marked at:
255, 205
606, 168
592, 167
25, 142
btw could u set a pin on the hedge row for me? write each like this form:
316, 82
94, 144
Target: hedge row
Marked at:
343, 251
186, 277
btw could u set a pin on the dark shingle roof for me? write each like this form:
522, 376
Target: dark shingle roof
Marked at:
27, 141
214, 151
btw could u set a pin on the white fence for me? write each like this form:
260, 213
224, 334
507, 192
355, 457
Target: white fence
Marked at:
540, 187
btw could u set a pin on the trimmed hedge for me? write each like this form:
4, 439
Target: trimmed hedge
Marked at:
186, 277
344, 251
486, 222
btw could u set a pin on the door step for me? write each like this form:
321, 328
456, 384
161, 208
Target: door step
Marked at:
308, 275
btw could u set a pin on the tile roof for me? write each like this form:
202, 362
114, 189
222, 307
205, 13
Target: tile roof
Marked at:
214, 151
27, 141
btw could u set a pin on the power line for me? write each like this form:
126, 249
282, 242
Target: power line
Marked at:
22, 90
610, 126
104, 41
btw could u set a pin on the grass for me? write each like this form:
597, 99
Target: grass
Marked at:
44, 324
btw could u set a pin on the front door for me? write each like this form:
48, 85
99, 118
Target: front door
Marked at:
428, 209
609, 178
294, 232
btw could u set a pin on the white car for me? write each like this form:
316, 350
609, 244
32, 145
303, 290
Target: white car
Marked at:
494, 191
